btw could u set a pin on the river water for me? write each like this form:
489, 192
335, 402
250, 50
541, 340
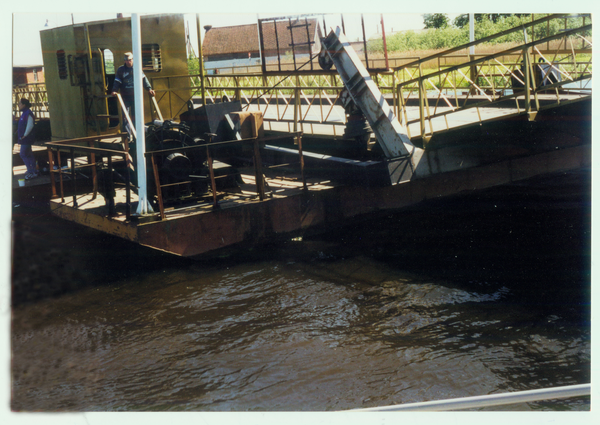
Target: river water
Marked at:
479, 294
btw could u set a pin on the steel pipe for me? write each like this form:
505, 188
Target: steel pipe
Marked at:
144, 207
488, 400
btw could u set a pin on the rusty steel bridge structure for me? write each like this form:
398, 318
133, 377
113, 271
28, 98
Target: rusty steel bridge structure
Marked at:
464, 121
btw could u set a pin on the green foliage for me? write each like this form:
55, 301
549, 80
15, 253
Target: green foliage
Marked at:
435, 20
447, 36
193, 65
461, 20
442, 38
109, 67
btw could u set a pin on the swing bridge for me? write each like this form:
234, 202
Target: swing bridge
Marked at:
462, 119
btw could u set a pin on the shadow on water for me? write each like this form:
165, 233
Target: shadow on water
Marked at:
52, 256
537, 234
477, 294
533, 236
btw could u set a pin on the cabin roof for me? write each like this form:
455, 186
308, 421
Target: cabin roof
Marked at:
244, 38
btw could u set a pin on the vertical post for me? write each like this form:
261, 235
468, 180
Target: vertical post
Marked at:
262, 47
92, 159
258, 172
211, 171
292, 40
127, 188
200, 60
362, 20
395, 100
111, 188
51, 168
161, 206
73, 177
527, 79
60, 177
170, 97
385, 52
237, 91
277, 45
402, 109
422, 95
309, 42
472, 68
296, 104
136, 37
471, 32
548, 33
299, 138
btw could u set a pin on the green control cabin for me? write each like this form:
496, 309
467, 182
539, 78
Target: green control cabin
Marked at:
79, 108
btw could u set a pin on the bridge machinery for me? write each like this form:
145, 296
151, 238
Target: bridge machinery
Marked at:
401, 156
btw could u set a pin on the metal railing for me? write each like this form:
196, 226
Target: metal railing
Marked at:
36, 94
93, 156
209, 147
90, 156
438, 85
529, 72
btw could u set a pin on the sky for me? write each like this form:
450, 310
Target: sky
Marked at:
26, 49
399, 15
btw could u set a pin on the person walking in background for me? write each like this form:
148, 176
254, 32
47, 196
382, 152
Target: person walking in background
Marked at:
26, 137
124, 83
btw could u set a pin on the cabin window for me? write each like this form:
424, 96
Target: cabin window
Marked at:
109, 61
151, 60
62, 64
77, 69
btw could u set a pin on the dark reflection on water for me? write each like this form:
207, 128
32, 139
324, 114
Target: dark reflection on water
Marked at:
481, 294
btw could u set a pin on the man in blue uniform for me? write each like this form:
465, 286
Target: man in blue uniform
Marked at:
124, 83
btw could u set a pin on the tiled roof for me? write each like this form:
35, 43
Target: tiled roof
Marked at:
237, 39
244, 38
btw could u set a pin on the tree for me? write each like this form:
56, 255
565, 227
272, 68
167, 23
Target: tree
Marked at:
435, 20
462, 20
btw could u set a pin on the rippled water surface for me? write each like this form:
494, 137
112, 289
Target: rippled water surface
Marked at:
480, 294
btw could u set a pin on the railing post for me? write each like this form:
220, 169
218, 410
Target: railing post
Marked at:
258, 171
51, 168
395, 100
158, 187
127, 187
92, 159
111, 189
60, 177
211, 171
529, 83
237, 95
200, 61
402, 109
73, 177
422, 95
296, 103
473, 74
299, 138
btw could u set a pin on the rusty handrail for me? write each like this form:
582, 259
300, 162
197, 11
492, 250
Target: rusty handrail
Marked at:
257, 160
511, 51
71, 146
484, 68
